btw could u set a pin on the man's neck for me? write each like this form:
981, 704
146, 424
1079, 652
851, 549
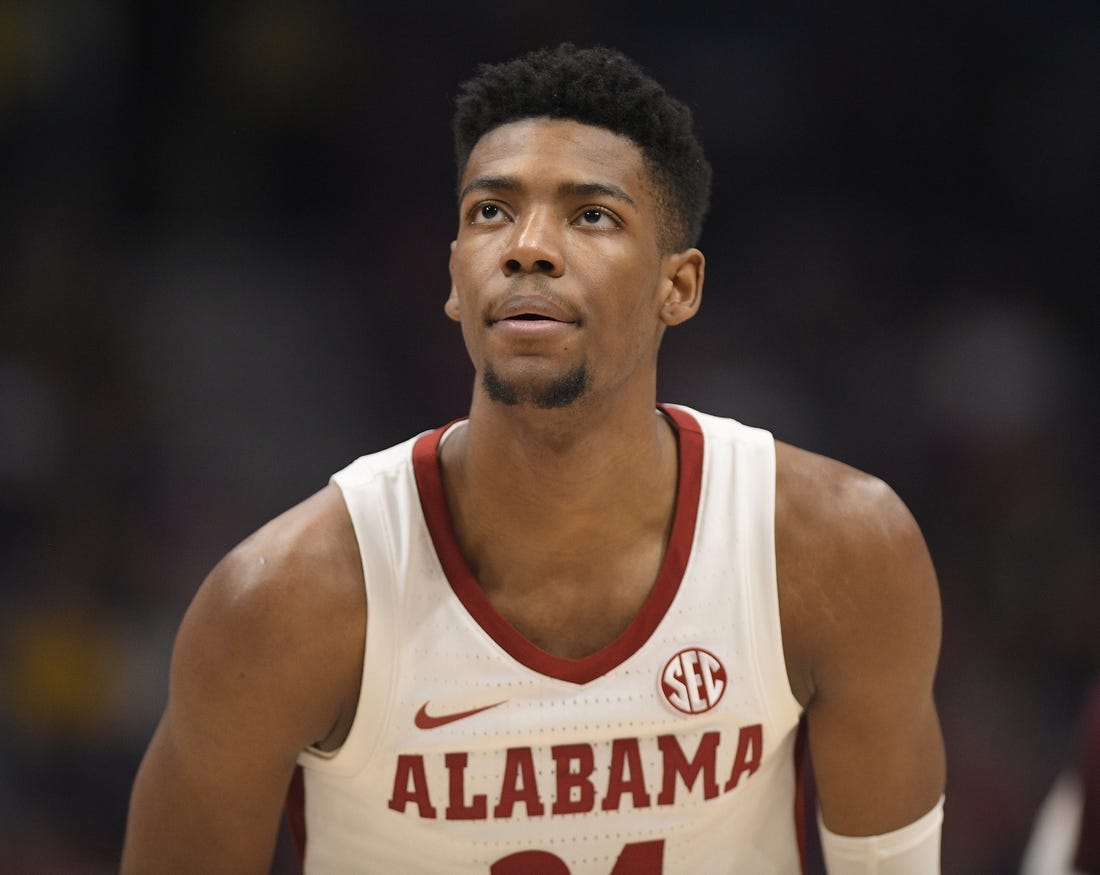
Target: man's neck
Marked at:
557, 472
563, 516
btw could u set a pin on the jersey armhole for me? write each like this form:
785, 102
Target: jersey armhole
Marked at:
375, 692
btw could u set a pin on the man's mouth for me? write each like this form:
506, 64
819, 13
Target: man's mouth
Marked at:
532, 310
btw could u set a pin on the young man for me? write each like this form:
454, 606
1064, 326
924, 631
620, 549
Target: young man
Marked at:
575, 632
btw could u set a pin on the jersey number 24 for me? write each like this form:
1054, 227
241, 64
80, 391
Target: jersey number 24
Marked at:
638, 858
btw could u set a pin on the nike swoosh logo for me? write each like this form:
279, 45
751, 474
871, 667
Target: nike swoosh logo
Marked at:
424, 720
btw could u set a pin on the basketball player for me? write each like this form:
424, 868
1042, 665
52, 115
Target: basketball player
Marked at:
576, 631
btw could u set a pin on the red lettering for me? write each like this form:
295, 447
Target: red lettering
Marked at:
519, 784
673, 685
675, 763
641, 858
574, 767
569, 780
625, 757
638, 858
410, 784
750, 746
528, 863
457, 809
714, 678
693, 680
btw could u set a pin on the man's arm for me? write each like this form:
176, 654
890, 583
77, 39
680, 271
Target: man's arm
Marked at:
267, 661
861, 621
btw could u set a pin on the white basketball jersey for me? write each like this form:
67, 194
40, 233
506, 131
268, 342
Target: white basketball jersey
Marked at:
671, 750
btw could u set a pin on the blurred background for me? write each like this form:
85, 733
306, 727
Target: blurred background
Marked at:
222, 269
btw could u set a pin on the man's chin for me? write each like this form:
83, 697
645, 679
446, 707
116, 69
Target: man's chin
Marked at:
546, 394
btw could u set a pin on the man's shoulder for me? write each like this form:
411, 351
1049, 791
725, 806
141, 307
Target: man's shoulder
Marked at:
292, 582
306, 552
367, 467
819, 498
286, 600
850, 561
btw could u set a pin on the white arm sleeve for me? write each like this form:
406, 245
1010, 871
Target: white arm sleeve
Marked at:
912, 850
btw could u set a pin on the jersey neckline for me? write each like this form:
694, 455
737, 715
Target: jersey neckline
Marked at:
437, 516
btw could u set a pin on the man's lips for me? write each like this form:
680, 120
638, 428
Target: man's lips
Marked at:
530, 309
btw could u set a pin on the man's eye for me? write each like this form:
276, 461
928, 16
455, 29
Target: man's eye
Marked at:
486, 213
597, 217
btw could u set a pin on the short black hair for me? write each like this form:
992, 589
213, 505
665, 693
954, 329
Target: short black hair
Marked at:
604, 88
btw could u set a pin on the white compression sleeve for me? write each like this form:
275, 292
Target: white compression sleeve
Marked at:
912, 850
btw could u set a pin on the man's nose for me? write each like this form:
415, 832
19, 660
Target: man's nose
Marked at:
535, 246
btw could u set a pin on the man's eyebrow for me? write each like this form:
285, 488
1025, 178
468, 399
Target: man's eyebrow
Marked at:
590, 188
490, 183
582, 189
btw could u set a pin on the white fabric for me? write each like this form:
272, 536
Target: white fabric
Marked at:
912, 850
1056, 830
425, 649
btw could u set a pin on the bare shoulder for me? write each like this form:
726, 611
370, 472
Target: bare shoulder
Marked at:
284, 603
267, 661
306, 559
860, 614
821, 498
855, 577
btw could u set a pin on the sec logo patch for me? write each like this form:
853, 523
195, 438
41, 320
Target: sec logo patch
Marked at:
693, 681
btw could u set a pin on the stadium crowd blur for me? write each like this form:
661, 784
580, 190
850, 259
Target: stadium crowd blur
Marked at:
222, 270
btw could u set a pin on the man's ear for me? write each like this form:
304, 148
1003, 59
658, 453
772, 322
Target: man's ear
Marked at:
682, 291
451, 307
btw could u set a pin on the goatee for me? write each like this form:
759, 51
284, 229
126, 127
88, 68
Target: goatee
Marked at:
560, 392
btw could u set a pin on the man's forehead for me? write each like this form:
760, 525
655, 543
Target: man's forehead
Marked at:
587, 153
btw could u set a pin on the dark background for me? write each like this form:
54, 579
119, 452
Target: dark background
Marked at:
222, 269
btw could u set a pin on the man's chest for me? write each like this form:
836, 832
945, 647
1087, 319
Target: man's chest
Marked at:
575, 608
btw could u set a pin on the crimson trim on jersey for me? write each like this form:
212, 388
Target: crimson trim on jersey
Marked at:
800, 800
437, 516
296, 814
